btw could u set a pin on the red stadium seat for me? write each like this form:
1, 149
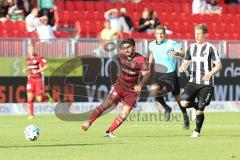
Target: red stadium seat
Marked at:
90, 7
175, 14
80, 6
70, 6
187, 7
60, 4
62, 34
8, 25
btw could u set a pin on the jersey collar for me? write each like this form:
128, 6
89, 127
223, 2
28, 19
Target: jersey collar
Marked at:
164, 40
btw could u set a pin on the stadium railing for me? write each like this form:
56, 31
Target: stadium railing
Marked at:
67, 48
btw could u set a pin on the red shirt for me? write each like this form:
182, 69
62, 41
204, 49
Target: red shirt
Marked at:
34, 64
130, 69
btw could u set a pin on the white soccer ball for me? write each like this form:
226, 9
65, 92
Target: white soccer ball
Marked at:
32, 132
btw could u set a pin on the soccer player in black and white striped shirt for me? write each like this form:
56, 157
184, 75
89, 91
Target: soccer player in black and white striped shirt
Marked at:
205, 63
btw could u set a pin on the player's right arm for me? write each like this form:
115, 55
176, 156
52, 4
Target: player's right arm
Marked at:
184, 66
186, 62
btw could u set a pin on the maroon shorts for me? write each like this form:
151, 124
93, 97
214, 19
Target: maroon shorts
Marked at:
118, 94
35, 85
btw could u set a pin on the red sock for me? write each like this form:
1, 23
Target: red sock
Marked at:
96, 113
30, 105
116, 123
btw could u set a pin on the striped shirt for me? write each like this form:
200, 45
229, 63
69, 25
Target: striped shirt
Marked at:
201, 57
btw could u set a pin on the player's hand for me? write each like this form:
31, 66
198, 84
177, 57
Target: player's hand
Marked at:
207, 76
181, 70
147, 23
138, 88
172, 53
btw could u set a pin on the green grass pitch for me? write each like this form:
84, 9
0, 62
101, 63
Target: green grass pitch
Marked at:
137, 139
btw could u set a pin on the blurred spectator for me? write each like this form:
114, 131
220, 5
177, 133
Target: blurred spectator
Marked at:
45, 31
213, 7
125, 21
32, 20
232, 1
108, 33
145, 22
4, 5
108, 37
9, 10
14, 12
25, 5
112, 16
199, 7
136, 1
47, 8
156, 22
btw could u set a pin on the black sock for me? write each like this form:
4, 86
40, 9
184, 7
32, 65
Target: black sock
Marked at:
184, 111
199, 122
162, 102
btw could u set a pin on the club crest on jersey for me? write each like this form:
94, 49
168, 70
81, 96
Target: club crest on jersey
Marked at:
34, 61
114, 94
133, 64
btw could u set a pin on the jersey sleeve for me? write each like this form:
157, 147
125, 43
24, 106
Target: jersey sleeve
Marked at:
188, 55
42, 61
150, 48
176, 46
214, 54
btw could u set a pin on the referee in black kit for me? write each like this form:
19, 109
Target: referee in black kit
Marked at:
205, 63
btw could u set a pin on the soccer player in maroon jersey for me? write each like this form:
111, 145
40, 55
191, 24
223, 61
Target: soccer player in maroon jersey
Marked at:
133, 74
35, 66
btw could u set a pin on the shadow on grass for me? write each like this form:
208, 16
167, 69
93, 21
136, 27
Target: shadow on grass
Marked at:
160, 136
58, 145
187, 135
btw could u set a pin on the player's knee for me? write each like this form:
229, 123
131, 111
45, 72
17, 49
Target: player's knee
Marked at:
107, 103
124, 115
154, 89
125, 112
39, 98
199, 112
184, 103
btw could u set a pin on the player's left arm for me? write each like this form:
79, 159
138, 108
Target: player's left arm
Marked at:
43, 65
146, 75
145, 72
217, 64
177, 50
217, 68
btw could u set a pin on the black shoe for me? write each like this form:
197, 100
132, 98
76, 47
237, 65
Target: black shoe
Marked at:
186, 123
167, 114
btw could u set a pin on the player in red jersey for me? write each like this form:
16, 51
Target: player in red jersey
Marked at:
35, 66
133, 74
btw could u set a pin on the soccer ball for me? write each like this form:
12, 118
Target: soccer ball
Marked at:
32, 132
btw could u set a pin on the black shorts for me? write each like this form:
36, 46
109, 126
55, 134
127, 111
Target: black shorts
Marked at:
202, 92
170, 80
